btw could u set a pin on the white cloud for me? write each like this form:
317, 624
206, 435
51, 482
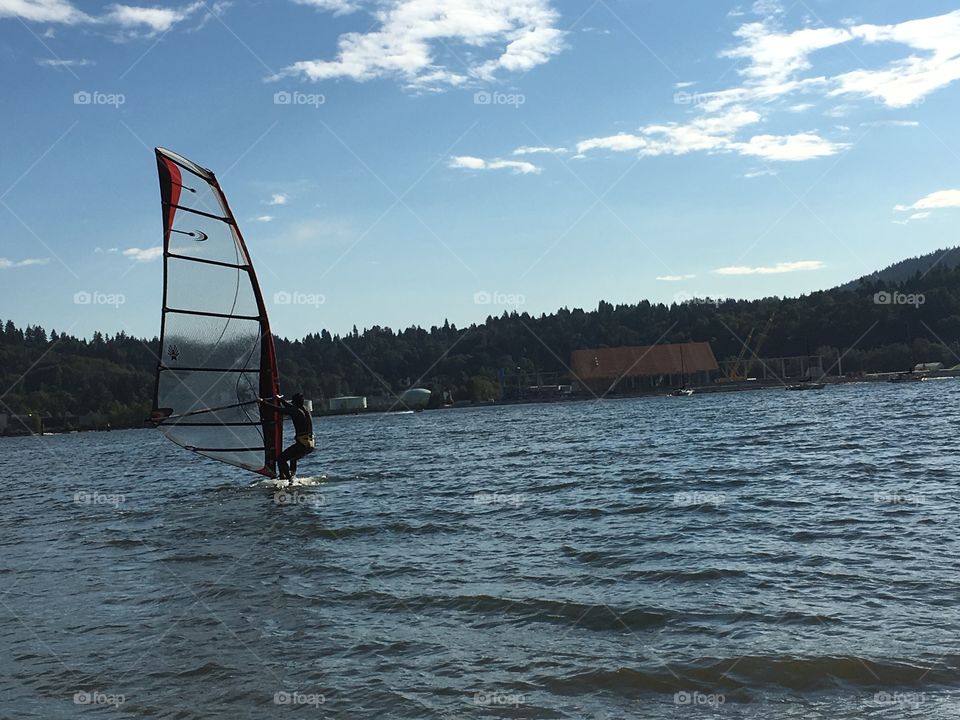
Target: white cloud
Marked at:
6, 264
278, 199
923, 207
144, 255
517, 35
674, 278
337, 7
527, 150
265, 218
54, 11
474, 163
156, 19
890, 123
57, 63
783, 267
128, 17
908, 80
802, 146
934, 201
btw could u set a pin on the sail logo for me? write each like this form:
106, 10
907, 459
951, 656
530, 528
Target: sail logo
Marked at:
899, 298
85, 97
284, 97
299, 298
99, 298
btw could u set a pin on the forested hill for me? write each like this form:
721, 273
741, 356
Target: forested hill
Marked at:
113, 375
907, 269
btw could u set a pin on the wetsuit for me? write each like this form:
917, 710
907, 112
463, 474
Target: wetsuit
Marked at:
304, 443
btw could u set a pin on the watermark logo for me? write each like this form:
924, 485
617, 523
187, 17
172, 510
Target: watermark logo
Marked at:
484, 97
683, 97
514, 499
685, 298
901, 699
285, 97
294, 497
697, 698
484, 297
95, 697
689, 499
86, 97
94, 497
96, 297
299, 698
498, 698
899, 298
299, 298
898, 498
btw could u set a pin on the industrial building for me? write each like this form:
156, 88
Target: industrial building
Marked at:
643, 368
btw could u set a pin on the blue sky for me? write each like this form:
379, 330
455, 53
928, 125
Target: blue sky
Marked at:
401, 162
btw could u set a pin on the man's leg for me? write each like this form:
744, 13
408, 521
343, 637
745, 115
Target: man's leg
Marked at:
296, 455
284, 470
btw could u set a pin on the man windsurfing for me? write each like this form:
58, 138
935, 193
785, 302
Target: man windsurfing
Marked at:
304, 443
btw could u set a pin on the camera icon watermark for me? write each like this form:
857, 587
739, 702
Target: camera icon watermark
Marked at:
96, 97
498, 698
484, 297
83, 297
294, 497
696, 498
685, 298
95, 497
898, 498
95, 697
898, 298
299, 698
901, 699
687, 98
697, 698
485, 498
485, 97
299, 298
297, 98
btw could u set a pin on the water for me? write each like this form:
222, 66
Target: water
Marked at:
751, 555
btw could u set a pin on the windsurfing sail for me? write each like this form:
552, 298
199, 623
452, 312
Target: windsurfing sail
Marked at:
217, 357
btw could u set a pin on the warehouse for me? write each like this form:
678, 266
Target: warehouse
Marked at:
643, 368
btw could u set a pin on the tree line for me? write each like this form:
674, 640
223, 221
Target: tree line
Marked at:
877, 326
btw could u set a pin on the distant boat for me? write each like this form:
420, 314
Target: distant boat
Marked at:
907, 377
807, 386
682, 391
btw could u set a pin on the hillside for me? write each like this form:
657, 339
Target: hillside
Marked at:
906, 270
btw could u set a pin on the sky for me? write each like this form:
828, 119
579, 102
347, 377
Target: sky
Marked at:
407, 162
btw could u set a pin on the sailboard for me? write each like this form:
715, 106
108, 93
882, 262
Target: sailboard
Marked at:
216, 357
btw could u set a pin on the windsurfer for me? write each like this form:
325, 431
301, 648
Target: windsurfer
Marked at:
303, 430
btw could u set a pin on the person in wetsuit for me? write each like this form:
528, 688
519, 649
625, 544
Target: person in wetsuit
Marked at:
303, 430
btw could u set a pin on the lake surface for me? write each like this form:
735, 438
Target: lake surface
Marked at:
751, 555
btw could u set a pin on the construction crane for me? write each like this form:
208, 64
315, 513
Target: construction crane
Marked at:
763, 336
734, 375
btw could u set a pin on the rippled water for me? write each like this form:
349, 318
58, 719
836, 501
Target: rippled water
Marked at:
763, 554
